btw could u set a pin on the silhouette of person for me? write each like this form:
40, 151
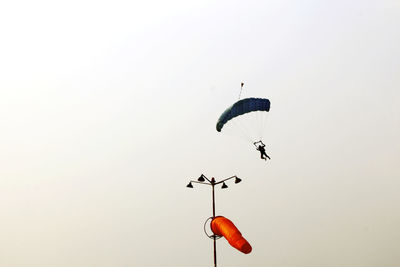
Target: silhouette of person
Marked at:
261, 148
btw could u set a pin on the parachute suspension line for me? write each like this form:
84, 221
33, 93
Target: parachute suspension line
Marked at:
260, 122
243, 132
241, 87
264, 123
262, 118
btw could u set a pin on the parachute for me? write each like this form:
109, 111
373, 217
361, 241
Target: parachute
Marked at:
224, 227
242, 107
248, 115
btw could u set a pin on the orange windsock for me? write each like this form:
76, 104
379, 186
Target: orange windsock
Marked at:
223, 226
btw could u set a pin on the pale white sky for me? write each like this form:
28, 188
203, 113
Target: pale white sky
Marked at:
108, 109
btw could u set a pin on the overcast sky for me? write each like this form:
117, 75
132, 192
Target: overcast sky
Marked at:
108, 109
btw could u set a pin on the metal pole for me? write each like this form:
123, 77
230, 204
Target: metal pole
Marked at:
213, 203
213, 200
215, 252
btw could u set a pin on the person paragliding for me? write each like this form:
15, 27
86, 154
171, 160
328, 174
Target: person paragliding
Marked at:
260, 146
247, 118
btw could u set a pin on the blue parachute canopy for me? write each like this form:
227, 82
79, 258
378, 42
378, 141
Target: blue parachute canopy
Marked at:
242, 107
